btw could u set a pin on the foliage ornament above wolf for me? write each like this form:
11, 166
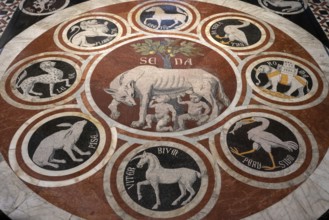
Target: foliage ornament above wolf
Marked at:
144, 82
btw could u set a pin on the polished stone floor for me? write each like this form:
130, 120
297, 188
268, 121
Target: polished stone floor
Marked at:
122, 109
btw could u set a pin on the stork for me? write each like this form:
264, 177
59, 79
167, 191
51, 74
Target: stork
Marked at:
262, 139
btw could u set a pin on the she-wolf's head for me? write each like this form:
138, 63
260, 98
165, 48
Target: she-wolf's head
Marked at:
124, 94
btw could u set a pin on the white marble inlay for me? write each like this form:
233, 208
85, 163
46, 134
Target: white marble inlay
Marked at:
299, 62
164, 134
121, 212
273, 174
297, 180
188, 8
311, 44
56, 56
19, 202
240, 50
309, 201
26, 177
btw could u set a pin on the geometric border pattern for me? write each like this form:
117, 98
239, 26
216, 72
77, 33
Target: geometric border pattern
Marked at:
7, 9
320, 10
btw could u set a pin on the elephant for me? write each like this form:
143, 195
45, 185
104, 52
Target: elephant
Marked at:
275, 77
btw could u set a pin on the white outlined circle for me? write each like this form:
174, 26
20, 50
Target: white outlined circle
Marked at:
284, 7
160, 214
61, 40
23, 101
312, 71
46, 172
15, 165
39, 100
163, 214
42, 8
100, 112
187, 9
279, 99
261, 45
273, 174
272, 185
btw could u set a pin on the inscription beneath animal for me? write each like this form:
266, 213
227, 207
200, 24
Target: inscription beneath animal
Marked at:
167, 150
54, 75
129, 177
94, 140
276, 76
91, 29
262, 139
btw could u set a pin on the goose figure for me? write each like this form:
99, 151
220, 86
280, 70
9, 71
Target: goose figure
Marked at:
233, 33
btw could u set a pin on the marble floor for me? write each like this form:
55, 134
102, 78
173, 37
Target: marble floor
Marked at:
123, 109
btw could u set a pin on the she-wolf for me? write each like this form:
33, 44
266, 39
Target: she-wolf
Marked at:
145, 81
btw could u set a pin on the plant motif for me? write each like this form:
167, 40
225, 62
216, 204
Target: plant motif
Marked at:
167, 49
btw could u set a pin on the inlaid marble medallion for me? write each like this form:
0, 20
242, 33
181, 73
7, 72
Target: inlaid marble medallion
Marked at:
165, 110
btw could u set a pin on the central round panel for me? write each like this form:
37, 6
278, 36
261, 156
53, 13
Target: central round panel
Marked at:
162, 85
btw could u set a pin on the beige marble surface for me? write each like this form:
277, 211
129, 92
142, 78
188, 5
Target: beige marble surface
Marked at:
308, 201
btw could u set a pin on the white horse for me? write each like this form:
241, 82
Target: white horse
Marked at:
156, 174
160, 15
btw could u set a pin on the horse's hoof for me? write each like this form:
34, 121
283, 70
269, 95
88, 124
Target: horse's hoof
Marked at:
155, 206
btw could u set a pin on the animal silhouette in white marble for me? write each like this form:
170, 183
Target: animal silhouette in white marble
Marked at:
276, 77
145, 82
43, 5
156, 174
52, 77
262, 139
63, 139
233, 33
289, 6
160, 15
89, 29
